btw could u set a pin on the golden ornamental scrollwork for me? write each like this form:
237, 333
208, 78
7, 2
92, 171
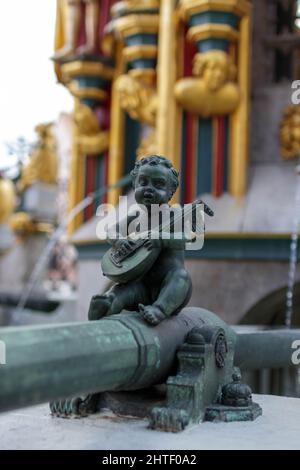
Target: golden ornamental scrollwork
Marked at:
216, 68
213, 90
88, 134
289, 133
43, 164
138, 99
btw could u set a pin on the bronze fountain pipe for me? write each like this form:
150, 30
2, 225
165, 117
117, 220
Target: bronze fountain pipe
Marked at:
121, 352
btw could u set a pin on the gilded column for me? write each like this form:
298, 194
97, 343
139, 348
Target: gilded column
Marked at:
218, 92
167, 112
116, 141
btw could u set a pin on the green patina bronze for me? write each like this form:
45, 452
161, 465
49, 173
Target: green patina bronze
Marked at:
152, 278
121, 353
117, 360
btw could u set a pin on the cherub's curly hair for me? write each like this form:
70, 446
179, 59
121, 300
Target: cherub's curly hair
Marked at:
157, 160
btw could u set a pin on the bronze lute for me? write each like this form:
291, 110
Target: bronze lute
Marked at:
124, 265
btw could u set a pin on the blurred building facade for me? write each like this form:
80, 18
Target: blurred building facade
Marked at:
206, 83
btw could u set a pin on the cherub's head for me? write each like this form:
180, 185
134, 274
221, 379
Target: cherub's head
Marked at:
154, 179
215, 67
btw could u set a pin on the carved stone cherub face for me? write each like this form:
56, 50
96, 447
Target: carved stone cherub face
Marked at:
215, 74
129, 92
215, 68
152, 185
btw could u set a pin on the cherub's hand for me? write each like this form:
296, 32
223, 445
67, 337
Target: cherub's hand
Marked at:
152, 314
154, 240
124, 245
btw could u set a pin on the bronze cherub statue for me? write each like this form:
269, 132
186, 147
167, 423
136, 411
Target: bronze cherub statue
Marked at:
150, 273
147, 263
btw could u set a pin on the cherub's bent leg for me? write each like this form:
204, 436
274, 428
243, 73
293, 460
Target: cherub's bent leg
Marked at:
119, 297
176, 290
175, 293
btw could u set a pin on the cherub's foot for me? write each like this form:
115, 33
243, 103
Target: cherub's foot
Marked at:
99, 306
152, 314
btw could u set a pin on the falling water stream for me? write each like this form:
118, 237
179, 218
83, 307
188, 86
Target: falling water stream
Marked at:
293, 255
35, 275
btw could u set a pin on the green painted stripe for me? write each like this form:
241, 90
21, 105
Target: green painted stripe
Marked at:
99, 178
91, 82
238, 249
139, 39
213, 43
205, 156
143, 63
264, 249
132, 141
218, 17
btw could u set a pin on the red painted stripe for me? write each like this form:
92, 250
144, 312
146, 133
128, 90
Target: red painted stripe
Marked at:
189, 51
105, 6
219, 156
82, 35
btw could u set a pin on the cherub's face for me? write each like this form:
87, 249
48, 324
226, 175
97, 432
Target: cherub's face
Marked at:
152, 185
215, 73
